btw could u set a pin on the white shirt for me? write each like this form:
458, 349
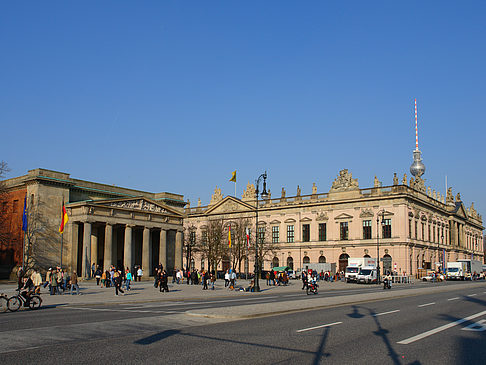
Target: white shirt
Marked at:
139, 272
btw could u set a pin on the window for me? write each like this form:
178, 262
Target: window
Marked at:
429, 232
409, 228
275, 234
433, 229
204, 237
261, 234
367, 230
387, 228
192, 237
416, 229
290, 234
423, 231
344, 230
322, 259
322, 232
290, 262
306, 232
306, 260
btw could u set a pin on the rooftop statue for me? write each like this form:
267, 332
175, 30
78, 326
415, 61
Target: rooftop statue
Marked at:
344, 182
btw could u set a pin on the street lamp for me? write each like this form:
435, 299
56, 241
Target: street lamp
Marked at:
264, 196
382, 213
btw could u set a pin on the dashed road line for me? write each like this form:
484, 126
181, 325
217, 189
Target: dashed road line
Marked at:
317, 327
439, 329
455, 298
381, 314
425, 305
472, 295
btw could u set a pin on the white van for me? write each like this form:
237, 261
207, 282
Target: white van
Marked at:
367, 275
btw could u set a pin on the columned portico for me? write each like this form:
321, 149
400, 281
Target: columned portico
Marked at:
163, 248
128, 247
86, 249
178, 251
146, 253
108, 254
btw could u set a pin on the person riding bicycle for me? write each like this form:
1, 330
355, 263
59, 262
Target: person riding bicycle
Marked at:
28, 292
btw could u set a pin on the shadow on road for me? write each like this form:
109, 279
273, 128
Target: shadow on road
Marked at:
355, 313
383, 333
319, 352
156, 337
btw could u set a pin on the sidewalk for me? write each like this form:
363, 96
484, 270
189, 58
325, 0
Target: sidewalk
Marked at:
144, 291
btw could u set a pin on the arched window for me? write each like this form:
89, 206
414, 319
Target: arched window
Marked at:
343, 261
275, 262
387, 264
306, 260
290, 262
322, 259
367, 256
202, 264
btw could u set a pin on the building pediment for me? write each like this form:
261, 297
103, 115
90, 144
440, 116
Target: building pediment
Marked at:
343, 216
290, 220
140, 204
275, 222
366, 213
230, 205
461, 210
305, 219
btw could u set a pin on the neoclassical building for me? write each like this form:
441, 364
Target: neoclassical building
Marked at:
107, 224
412, 226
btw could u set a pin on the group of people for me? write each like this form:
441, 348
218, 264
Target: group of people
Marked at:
277, 278
57, 280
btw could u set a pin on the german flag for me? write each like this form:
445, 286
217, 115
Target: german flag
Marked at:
64, 219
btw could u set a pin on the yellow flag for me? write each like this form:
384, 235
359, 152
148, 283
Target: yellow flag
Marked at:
233, 178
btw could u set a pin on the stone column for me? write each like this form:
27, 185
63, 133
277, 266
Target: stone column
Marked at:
146, 253
108, 255
163, 248
94, 246
86, 250
178, 250
128, 248
74, 245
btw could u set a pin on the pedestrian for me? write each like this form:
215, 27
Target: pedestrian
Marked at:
226, 278
103, 279
53, 282
304, 280
74, 283
164, 278
36, 280
128, 279
93, 270
98, 275
59, 279
213, 280
205, 280
232, 279
267, 276
20, 278
117, 277
139, 273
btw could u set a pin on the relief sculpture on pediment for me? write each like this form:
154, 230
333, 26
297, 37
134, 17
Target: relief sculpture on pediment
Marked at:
138, 204
344, 182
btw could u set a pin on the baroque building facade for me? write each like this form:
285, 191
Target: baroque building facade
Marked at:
408, 225
108, 225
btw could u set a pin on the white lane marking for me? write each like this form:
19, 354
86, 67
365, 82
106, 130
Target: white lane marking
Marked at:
454, 298
439, 329
425, 305
472, 295
317, 327
110, 310
381, 314
478, 326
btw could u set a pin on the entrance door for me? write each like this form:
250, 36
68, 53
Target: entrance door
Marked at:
343, 262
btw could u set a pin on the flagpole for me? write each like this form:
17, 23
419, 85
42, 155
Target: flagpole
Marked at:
62, 234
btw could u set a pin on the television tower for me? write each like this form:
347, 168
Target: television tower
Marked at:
418, 168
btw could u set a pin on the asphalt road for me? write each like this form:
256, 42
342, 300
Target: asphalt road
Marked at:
379, 331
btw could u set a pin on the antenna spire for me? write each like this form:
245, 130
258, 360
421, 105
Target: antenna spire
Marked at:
416, 127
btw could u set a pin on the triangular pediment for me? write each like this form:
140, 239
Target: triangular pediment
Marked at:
306, 219
344, 216
138, 203
461, 211
229, 205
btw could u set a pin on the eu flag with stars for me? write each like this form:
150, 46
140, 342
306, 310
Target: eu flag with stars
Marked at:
24, 215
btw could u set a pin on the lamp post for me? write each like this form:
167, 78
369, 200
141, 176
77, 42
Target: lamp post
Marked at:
441, 262
264, 195
382, 213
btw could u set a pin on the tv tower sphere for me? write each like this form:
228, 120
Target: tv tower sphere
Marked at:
418, 167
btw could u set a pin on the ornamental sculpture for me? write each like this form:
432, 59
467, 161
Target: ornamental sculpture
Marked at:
249, 193
138, 204
216, 197
344, 182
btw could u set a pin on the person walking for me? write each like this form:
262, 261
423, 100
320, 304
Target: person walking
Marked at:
226, 278
36, 280
205, 280
139, 273
128, 279
232, 279
98, 275
213, 280
74, 283
117, 278
53, 282
164, 278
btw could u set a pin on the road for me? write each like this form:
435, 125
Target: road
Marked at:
441, 327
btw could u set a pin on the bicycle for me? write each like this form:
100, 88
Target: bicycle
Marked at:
3, 303
14, 303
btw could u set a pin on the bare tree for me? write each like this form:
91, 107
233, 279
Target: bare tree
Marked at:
189, 244
239, 247
212, 244
266, 247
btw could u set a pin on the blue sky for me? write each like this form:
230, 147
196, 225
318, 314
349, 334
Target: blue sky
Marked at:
174, 96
